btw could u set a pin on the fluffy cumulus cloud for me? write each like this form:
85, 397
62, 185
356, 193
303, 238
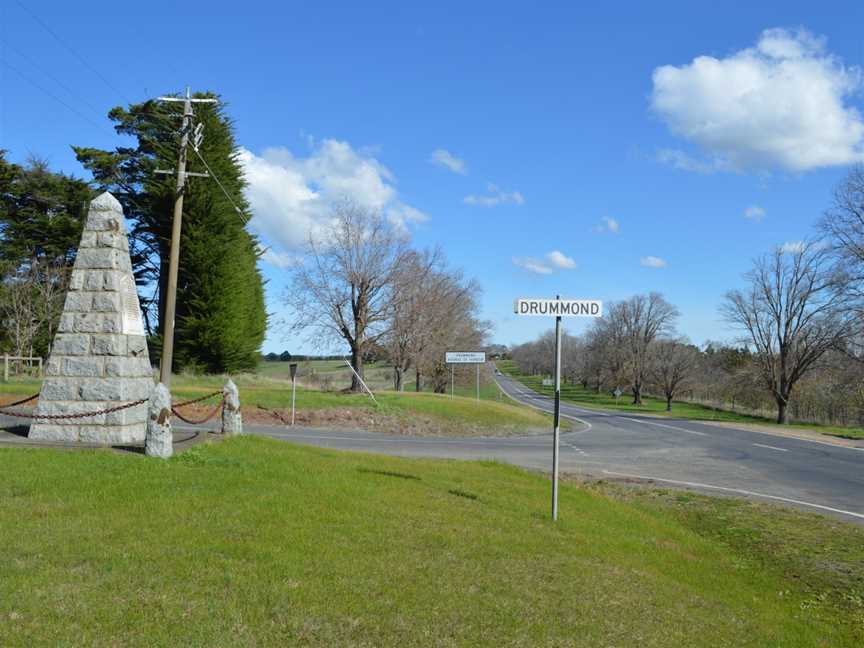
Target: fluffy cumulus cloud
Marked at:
652, 262
291, 196
554, 260
445, 159
608, 225
561, 261
495, 197
754, 213
780, 104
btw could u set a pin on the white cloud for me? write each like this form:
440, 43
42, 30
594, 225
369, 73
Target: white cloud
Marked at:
559, 260
790, 247
280, 260
496, 197
778, 104
532, 265
608, 225
291, 196
554, 260
754, 213
444, 158
652, 262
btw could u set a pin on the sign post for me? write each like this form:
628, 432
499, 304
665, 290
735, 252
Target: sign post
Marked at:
293, 368
464, 357
558, 308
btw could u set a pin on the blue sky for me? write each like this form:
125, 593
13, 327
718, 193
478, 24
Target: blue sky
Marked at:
669, 120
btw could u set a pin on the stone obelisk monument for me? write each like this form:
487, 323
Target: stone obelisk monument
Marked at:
99, 358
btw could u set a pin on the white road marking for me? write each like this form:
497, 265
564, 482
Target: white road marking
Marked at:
671, 427
760, 445
587, 425
740, 491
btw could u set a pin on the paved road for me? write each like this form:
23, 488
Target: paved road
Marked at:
810, 474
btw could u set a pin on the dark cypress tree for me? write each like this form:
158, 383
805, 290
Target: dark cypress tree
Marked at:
221, 318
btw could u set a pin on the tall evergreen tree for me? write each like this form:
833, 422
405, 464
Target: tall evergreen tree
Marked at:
41, 217
221, 318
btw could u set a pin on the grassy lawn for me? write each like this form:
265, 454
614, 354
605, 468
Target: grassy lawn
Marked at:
253, 542
680, 409
440, 413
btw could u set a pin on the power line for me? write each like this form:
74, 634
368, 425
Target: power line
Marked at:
74, 52
224, 191
50, 76
55, 97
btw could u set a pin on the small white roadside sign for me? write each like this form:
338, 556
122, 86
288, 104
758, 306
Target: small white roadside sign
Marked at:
465, 357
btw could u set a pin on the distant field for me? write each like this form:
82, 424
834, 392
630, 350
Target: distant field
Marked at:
680, 409
255, 542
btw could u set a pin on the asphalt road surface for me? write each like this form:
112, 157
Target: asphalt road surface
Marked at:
809, 474
814, 475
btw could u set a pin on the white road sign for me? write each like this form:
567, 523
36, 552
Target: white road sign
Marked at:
465, 357
559, 307
548, 382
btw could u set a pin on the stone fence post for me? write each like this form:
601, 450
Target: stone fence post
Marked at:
232, 422
159, 441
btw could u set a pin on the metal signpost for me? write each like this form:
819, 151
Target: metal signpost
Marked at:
293, 368
558, 308
465, 357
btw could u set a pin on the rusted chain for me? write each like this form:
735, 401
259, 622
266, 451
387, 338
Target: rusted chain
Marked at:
197, 400
65, 417
209, 416
21, 402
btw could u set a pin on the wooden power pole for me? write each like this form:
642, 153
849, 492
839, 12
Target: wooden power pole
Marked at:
176, 227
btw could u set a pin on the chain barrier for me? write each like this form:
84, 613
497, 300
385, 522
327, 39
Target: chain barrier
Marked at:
209, 417
118, 408
66, 417
197, 400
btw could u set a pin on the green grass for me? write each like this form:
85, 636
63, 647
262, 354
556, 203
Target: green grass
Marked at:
680, 409
449, 416
253, 542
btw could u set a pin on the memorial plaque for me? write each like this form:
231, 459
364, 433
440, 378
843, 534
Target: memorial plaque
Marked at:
131, 314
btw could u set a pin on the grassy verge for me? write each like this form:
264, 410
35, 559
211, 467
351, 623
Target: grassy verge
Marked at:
253, 542
680, 409
407, 412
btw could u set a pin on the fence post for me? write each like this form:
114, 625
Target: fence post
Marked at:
159, 441
232, 422
5, 367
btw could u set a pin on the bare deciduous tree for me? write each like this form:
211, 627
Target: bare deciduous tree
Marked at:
792, 313
345, 289
31, 300
639, 321
671, 365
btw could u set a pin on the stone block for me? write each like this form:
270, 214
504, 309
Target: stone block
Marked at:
78, 302
109, 344
136, 345
76, 281
130, 416
111, 281
112, 434
106, 302
88, 240
96, 259
59, 408
232, 421
66, 323
112, 323
92, 279
101, 389
86, 322
111, 239
159, 441
128, 367
59, 389
83, 367
72, 344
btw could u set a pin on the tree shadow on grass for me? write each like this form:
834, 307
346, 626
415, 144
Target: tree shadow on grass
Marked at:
388, 473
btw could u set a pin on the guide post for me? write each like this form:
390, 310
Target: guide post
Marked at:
293, 368
557, 308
